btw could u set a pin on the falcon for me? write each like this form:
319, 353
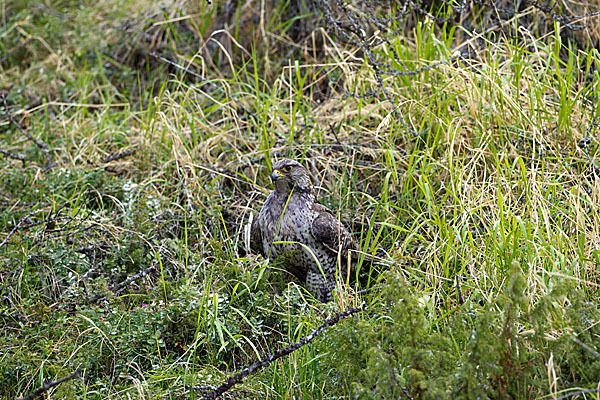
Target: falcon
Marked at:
295, 229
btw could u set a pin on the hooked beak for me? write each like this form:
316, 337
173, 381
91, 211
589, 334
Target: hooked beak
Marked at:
275, 175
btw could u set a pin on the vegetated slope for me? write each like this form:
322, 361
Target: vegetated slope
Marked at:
136, 145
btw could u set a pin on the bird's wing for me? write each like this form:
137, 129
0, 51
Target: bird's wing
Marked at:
256, 239
330, 232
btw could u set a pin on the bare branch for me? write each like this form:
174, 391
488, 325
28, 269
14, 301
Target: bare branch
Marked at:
15, 156
24, 220
585, 347
279, 353
38, 142
49, 385
577, 393
119, 156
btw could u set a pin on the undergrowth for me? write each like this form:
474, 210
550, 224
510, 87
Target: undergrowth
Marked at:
457, 141
491, 350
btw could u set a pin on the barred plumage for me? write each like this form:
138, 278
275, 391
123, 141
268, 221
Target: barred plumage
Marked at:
303, 237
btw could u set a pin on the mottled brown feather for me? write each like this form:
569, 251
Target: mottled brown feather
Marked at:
306, 238
329, 231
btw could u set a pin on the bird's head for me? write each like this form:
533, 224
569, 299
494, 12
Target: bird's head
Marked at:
288, 174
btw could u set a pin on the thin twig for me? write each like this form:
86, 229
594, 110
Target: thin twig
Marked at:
278, 354
49, 385
119, 156
15, 156
19, 224
576, 393
118, 289
38, 142
121, 286
585, 347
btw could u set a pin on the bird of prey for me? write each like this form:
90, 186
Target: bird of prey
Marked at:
293, 228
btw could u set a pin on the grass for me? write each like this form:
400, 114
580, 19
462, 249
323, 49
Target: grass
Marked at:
123, 247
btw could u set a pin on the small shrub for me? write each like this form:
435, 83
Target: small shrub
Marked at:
499, 350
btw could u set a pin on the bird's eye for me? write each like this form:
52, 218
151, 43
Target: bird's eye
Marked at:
287, 168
